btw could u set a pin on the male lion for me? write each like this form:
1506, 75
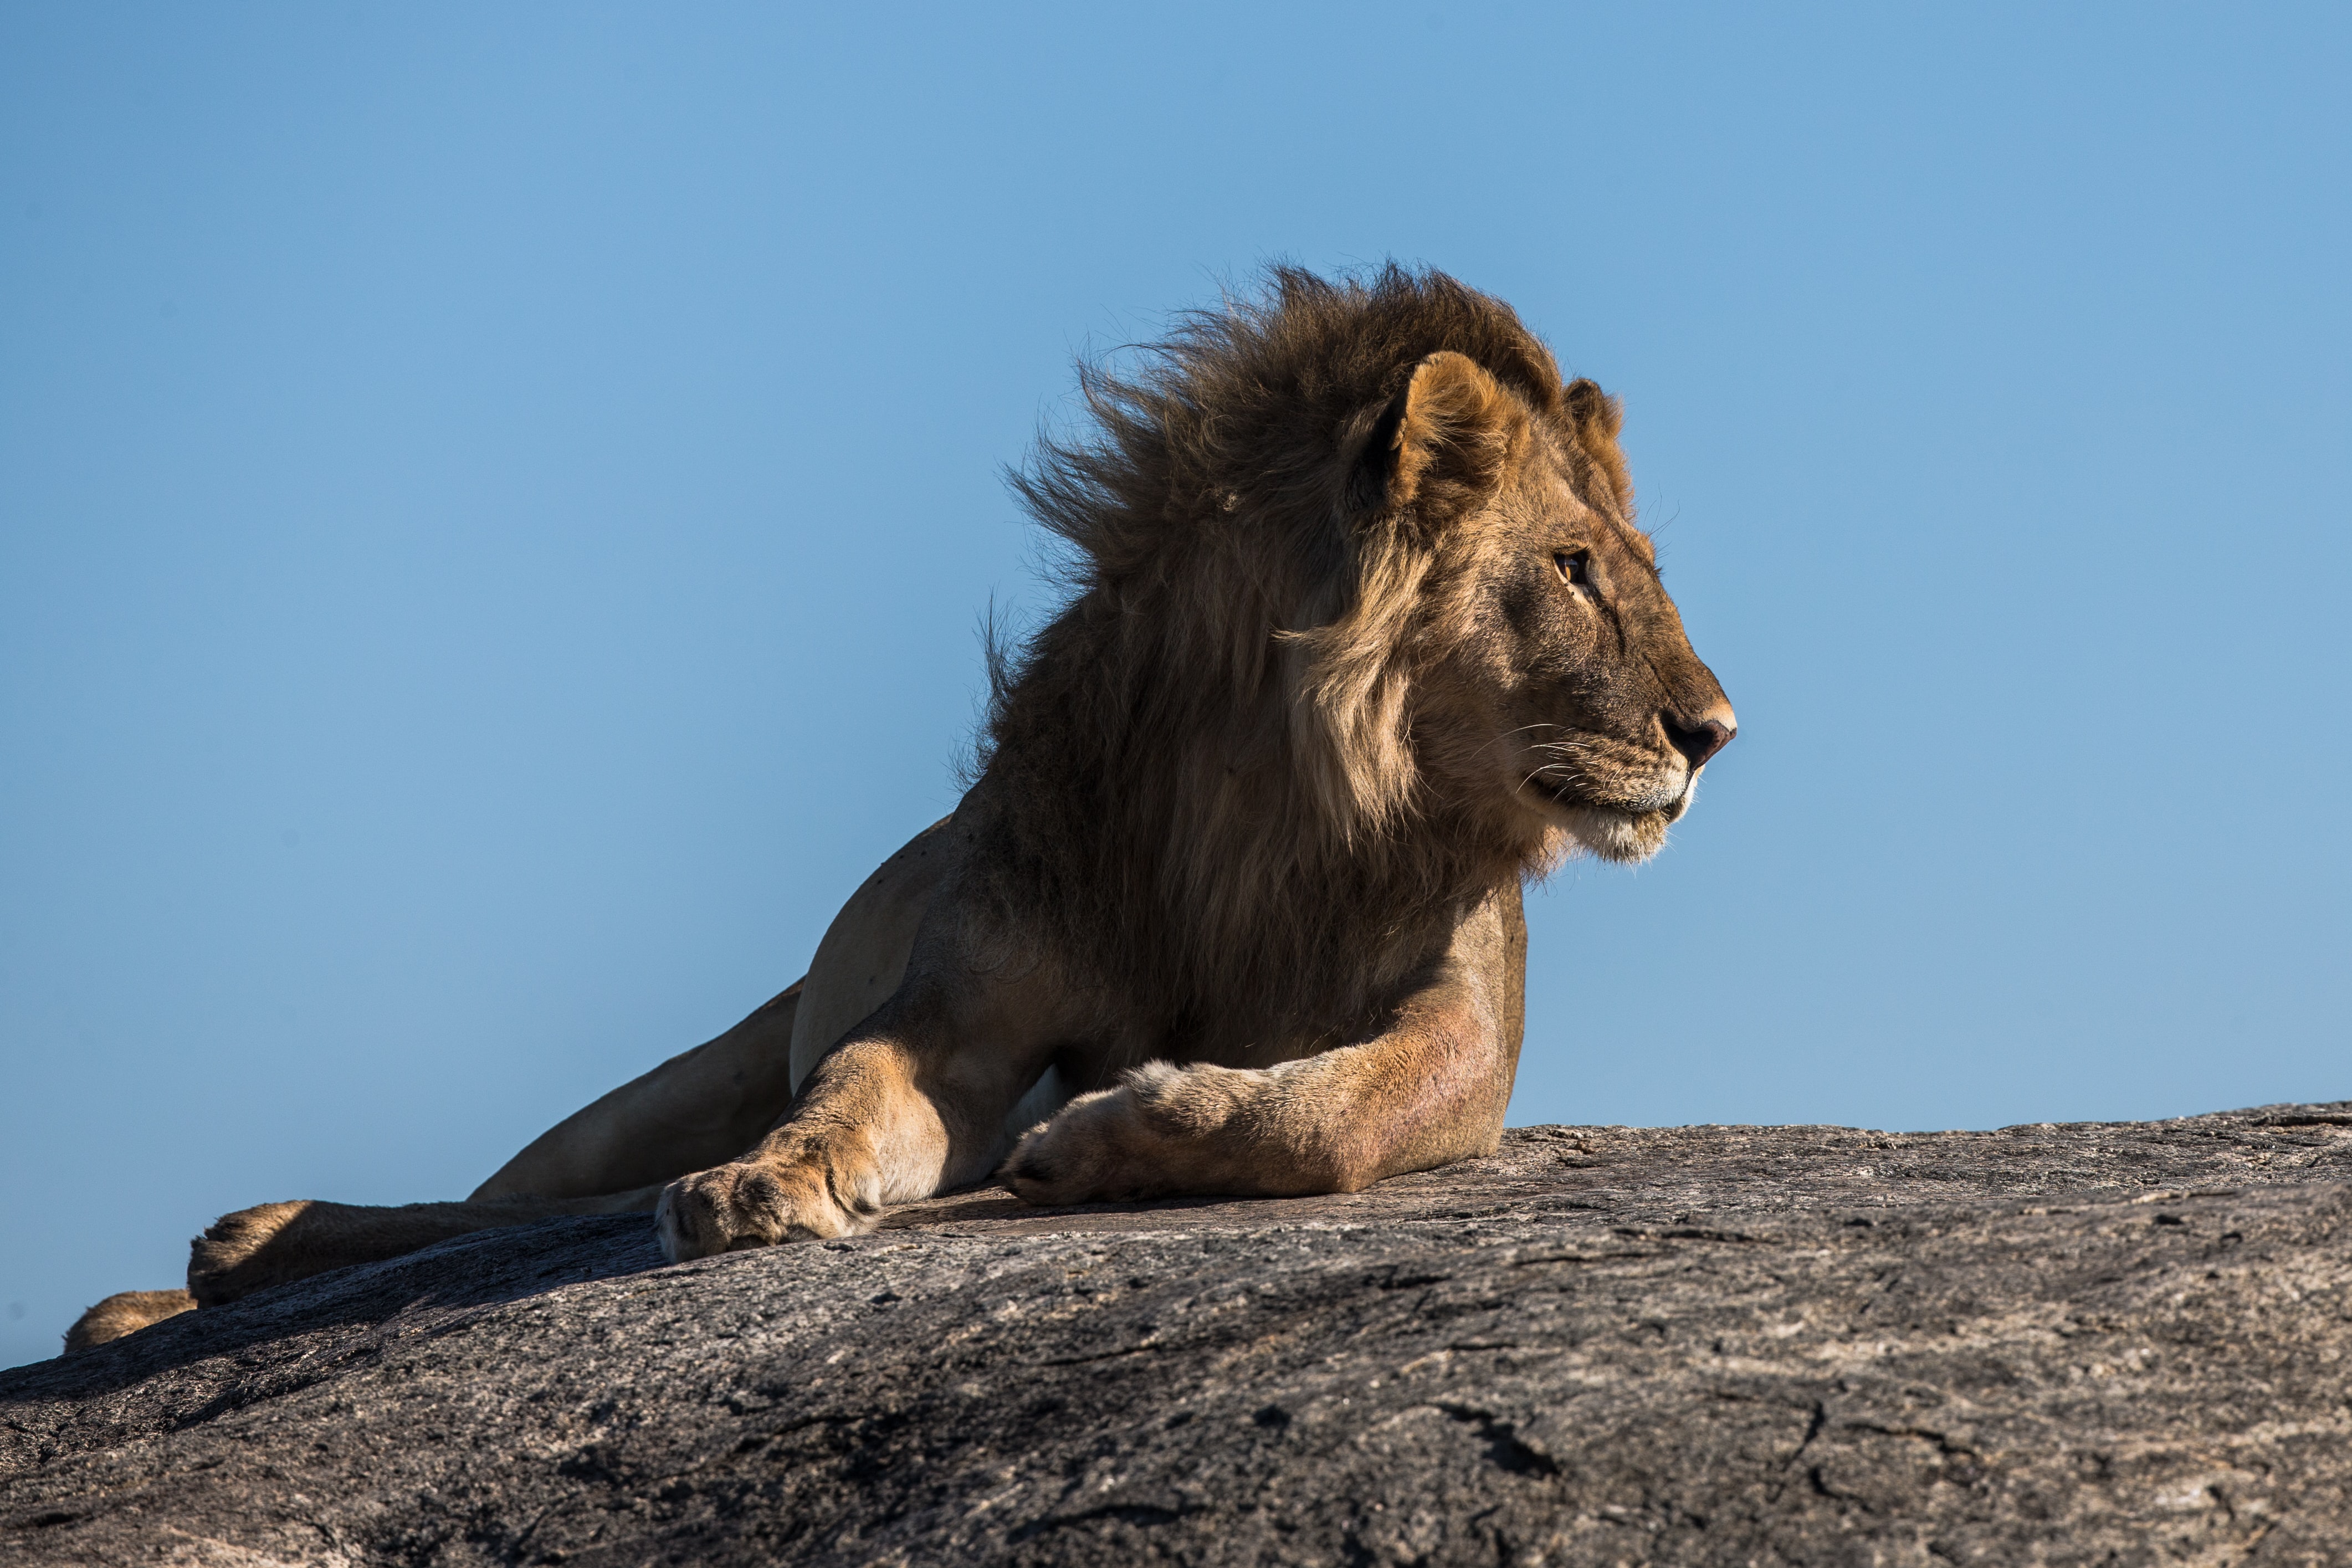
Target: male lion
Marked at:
1363, 635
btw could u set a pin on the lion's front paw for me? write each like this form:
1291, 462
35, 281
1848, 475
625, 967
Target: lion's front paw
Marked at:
1098, 1150
753, 1204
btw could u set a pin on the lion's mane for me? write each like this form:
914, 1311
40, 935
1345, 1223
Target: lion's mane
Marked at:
1208, 754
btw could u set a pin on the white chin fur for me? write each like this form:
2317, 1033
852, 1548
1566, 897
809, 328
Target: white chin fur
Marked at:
1615, 835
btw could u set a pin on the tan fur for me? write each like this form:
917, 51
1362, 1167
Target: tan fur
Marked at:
274, 1244
1362, 635
125, 1312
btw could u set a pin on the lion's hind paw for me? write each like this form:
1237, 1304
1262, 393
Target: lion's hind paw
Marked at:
248, 1251
125, 1312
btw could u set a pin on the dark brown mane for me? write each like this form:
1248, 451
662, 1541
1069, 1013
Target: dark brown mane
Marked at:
1213, 819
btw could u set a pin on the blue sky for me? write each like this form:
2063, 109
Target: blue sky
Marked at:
497, 506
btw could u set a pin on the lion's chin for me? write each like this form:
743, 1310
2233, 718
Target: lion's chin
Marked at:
1625, 837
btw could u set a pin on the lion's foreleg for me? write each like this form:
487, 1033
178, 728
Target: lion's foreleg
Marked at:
1429, 1089
913, 1103
1427, 1093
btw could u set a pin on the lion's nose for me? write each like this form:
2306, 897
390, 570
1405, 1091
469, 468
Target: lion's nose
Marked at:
1699, 742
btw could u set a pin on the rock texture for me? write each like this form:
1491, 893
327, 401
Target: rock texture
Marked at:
1805, 1345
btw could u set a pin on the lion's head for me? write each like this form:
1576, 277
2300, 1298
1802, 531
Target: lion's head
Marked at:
1535, 671
1361, 619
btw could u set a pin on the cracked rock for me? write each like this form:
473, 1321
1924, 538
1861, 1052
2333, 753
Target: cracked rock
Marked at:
2112, 1344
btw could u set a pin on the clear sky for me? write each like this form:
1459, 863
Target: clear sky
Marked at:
496, 505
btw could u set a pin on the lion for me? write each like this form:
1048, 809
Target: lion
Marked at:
1362, 634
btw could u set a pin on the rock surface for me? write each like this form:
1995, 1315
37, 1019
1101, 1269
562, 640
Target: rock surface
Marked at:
1805, 1345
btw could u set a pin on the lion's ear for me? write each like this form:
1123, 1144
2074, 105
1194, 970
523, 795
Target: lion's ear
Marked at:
1443, 440
1597, 417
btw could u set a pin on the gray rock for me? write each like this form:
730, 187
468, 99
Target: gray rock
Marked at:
1807, 1345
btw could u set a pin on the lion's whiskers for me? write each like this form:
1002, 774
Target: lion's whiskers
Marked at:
1507, 734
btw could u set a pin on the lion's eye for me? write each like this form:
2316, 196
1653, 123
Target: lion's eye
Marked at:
1574, 566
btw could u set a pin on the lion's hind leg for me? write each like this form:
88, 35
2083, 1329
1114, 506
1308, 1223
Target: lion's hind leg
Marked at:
125, 1312
612, 1157
276, 1244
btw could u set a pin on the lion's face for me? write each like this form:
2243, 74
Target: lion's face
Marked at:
1562, 692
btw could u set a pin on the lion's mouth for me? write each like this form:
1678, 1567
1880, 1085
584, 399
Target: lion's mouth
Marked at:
1627, 822
1666, 798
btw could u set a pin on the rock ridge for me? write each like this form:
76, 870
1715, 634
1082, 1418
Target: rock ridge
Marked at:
2098, 1344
